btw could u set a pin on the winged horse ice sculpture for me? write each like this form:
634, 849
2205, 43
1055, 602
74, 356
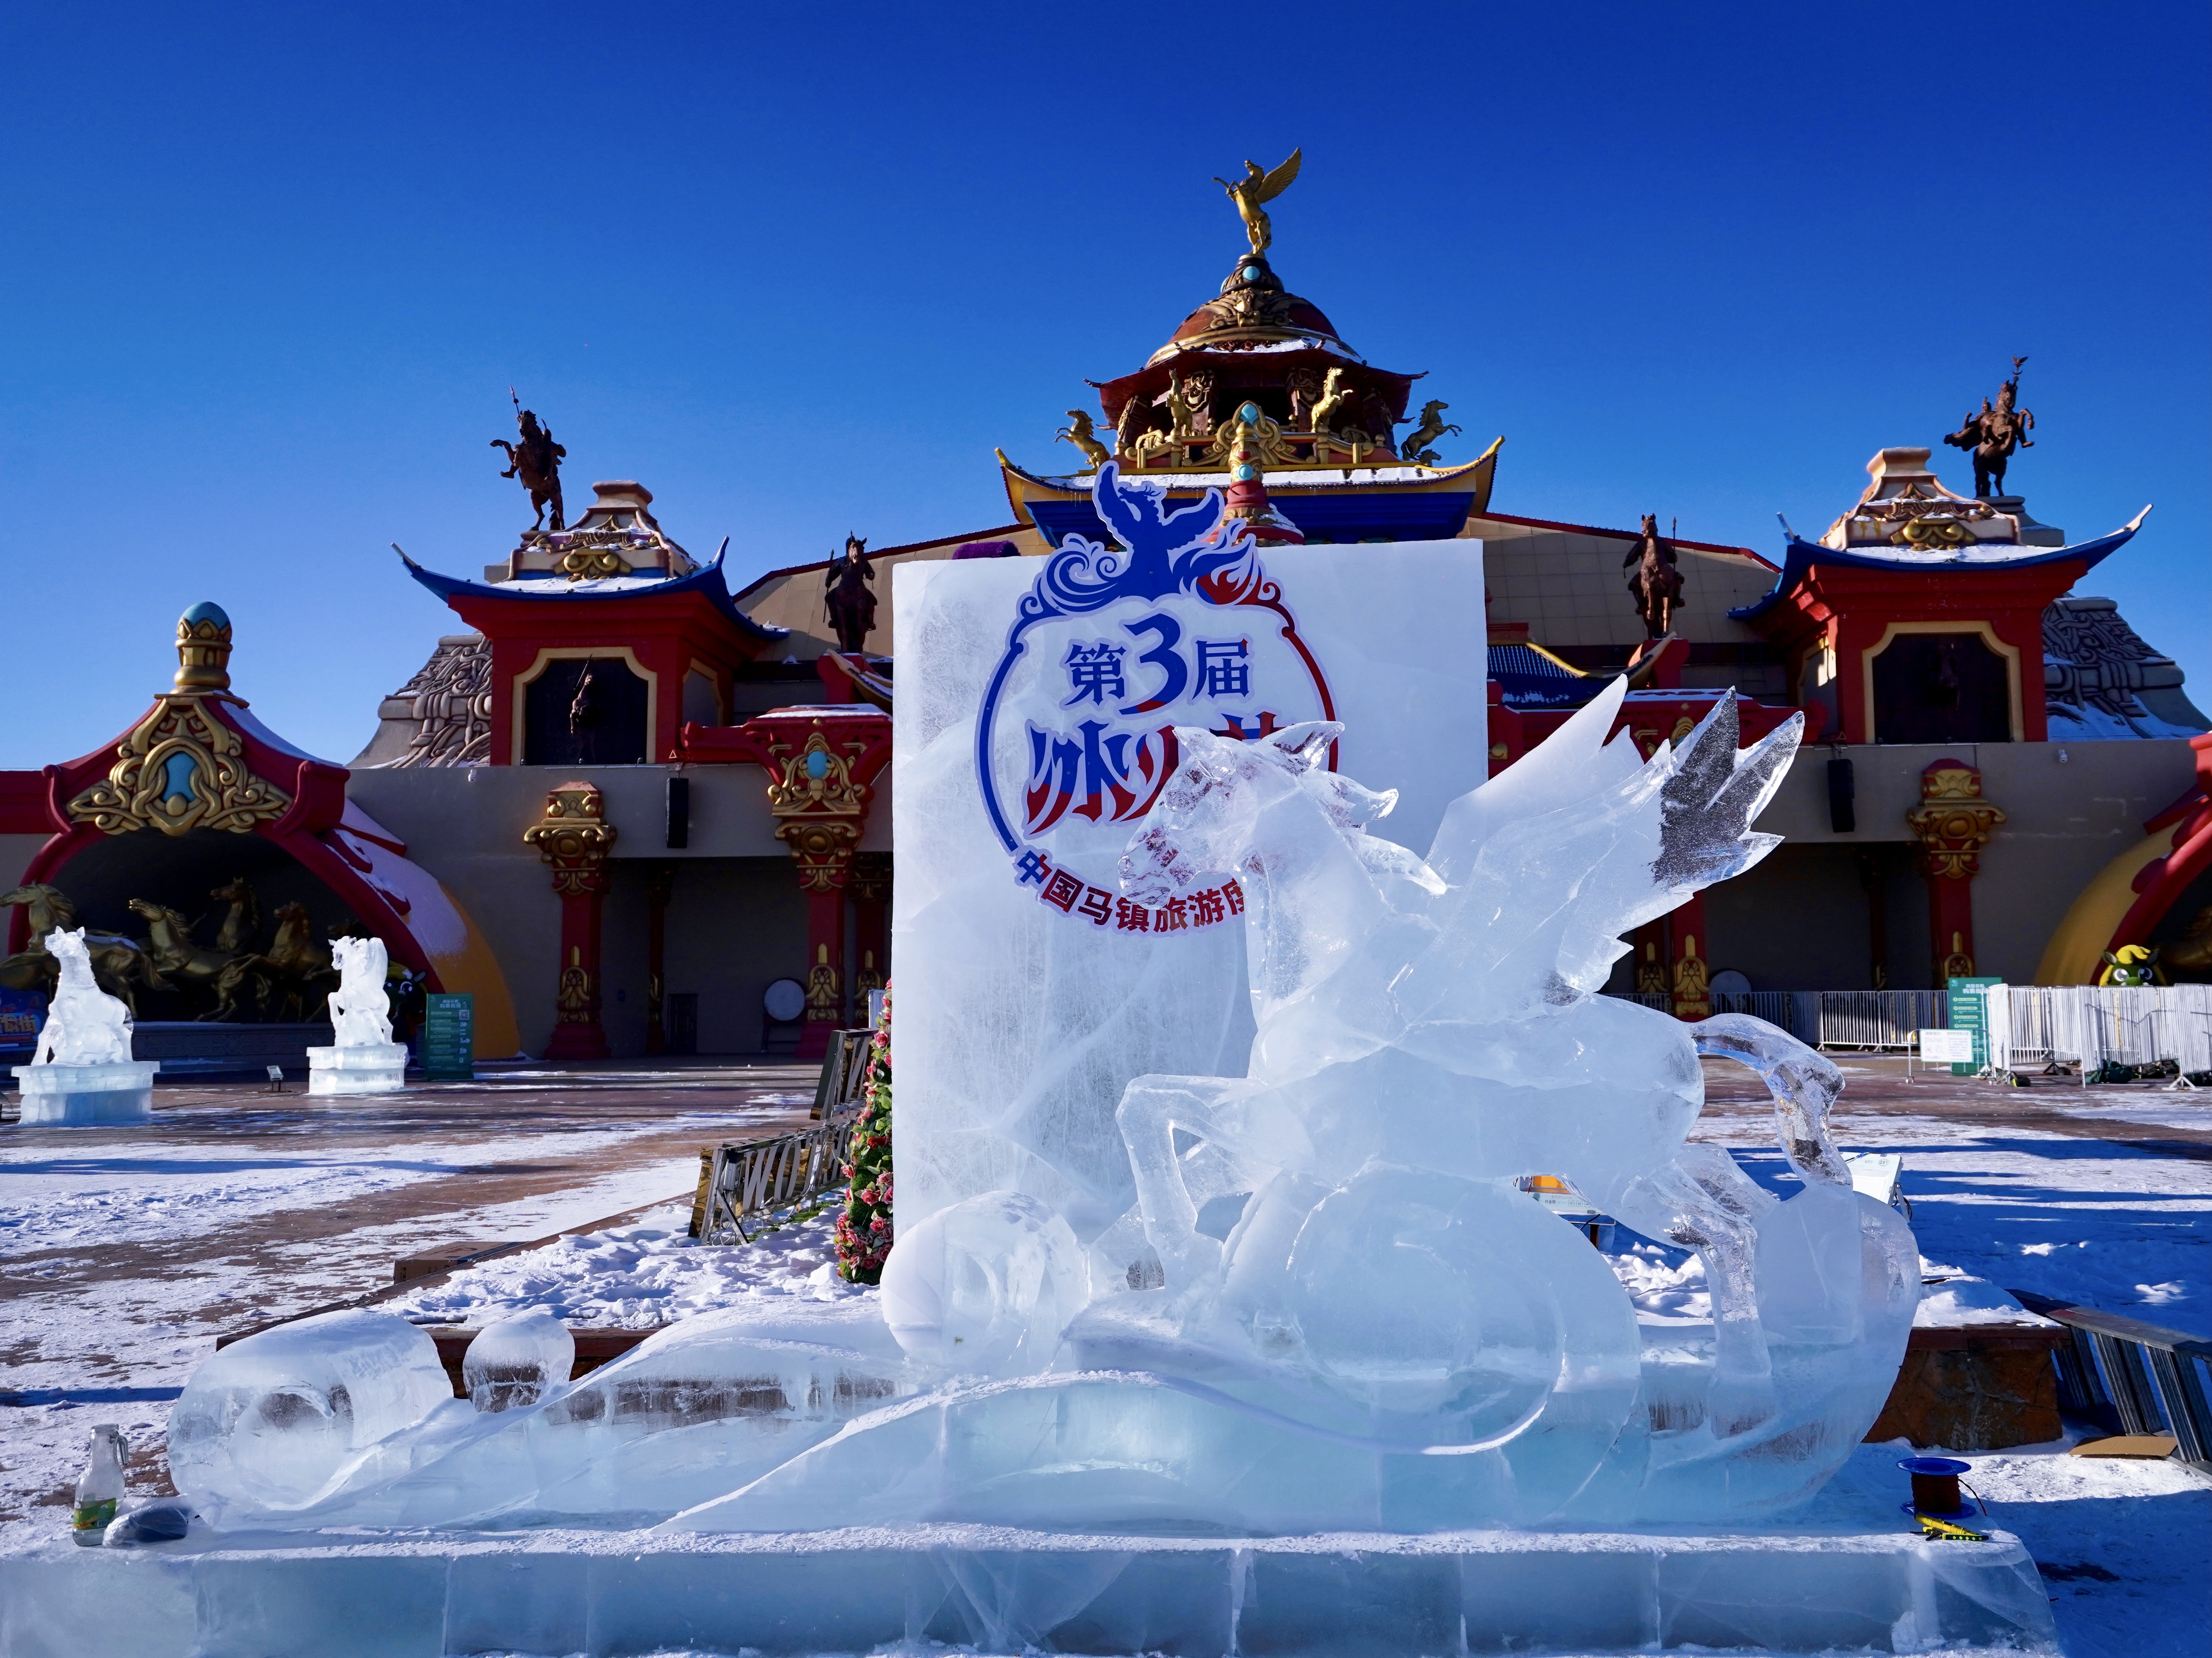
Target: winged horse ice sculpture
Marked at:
1439, 1015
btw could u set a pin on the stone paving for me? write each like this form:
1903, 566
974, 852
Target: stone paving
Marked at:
1876, 1085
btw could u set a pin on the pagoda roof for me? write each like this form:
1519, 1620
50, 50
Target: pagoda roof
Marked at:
1801, 557
704, 579
1334, 504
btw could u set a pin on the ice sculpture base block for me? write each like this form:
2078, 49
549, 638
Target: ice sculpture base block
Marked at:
1801, 1590
365, 1068
87, 1095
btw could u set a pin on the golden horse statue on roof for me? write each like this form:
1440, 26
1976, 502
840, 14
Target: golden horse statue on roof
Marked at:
1256, 188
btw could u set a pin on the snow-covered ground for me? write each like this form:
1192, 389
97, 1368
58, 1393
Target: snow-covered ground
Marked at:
2124, 1227
637, 1277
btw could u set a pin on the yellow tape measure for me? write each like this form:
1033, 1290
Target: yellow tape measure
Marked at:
1942, 1531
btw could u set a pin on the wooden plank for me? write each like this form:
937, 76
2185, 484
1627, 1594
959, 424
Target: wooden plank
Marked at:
1995, 1337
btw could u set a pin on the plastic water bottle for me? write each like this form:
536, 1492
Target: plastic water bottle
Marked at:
100, 1487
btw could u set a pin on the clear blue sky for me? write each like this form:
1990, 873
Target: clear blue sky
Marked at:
271, 270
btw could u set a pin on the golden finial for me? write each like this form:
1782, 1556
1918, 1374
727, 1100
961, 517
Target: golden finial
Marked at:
1257, 187
203, 648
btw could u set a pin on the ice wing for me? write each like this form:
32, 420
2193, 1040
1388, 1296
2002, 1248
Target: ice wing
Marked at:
1547, 876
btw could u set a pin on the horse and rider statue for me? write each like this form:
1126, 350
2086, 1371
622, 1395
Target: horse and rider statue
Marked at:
535, 460
290, 979
1657, 585
851, 605
1995, 435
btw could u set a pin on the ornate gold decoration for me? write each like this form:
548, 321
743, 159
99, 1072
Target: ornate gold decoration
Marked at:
821, 988
204, 649
574, 997
1078, 431
871, 879
1932, 533
1958, 964
575, 837
1951, 823
821, 847
1255, 441
1692, 982
1256, 188
586, 560
868, 978
1651, 972
818, 807
180, 769
1335, 398
816, 779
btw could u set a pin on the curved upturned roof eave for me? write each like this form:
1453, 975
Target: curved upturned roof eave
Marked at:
1801, 555
1075, 486
706, 581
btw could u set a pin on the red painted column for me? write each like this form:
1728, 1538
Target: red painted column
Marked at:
1689, 966
574, 838
1649, 946
825, 969
871, 890
1954, 823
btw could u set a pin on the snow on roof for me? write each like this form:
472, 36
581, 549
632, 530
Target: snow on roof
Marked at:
1318, 477
590, 587
238, 715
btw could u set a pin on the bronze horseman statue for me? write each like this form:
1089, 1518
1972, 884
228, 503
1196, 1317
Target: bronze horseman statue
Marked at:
1251, 192
537, 461
852, 607
1993, 436
1656, 585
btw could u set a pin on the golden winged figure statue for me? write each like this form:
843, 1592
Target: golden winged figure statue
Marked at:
1257, 187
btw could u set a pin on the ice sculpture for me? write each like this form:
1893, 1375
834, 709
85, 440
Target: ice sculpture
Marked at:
81, 1072
987, 1285
269, 1421
1305, 1296
1330, 1306
518, 1361
364, 1058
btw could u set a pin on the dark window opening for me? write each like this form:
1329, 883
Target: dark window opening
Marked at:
1940, 688
584, 711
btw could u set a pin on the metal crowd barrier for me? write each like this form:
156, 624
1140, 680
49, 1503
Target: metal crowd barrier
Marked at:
2142, 1378
753, 1178
842, 1067
2096, 1026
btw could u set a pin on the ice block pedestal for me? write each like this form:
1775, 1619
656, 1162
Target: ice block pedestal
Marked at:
363, 1068
1802, 1590
82, 1096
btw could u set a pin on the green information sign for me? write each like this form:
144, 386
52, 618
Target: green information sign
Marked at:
1970, 1012
449, 1038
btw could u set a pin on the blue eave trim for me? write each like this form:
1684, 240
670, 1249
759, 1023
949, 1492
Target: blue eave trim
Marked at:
707, 580
1350, 516
1801, 555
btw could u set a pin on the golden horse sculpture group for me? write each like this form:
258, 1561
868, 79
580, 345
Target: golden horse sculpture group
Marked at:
294, 974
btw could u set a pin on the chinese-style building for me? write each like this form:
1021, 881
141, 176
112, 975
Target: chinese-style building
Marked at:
625, 801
